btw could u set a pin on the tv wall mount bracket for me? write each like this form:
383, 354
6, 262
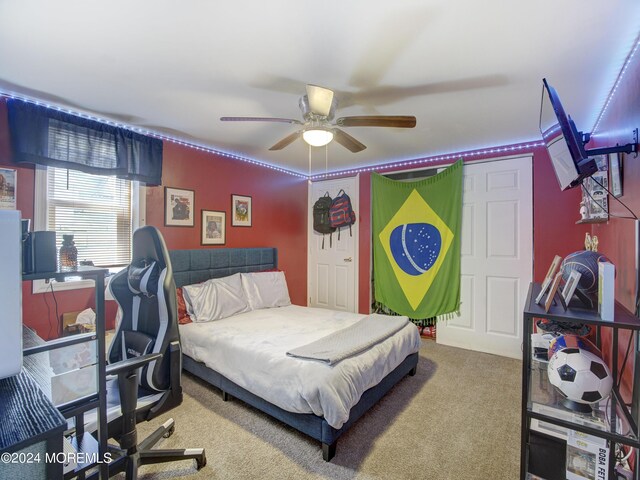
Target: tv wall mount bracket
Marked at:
628, 148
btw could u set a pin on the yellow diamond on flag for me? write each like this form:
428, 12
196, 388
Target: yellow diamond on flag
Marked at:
416, 241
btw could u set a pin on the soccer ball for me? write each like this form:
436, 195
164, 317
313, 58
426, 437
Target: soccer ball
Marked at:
580, 375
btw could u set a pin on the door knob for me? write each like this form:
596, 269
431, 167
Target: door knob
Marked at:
348, 259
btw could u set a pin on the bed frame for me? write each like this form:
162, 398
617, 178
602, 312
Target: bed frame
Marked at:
193, 266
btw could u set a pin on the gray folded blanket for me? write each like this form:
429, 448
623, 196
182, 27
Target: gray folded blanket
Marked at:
350, 341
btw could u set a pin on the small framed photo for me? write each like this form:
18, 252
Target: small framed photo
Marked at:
8, 187
549, 277
570, 287
240, 211
552, 291
615, 174
179, 207
214, 227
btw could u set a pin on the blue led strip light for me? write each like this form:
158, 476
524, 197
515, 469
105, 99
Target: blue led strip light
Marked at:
154, 134
426, 160
613, 91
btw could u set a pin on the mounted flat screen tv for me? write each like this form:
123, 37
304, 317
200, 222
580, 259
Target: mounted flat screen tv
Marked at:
563, 141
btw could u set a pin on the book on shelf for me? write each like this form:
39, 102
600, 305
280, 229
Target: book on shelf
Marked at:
587, 457
70, 454
606, 290
595, 419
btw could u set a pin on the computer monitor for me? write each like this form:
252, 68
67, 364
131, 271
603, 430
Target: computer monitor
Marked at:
10, 293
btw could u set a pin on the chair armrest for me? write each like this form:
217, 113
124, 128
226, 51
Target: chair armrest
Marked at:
132, 363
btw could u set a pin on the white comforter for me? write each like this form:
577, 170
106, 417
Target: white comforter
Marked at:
250, 350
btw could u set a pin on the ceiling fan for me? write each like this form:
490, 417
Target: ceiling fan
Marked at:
318, 108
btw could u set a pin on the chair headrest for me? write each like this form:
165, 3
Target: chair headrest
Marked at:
143, 277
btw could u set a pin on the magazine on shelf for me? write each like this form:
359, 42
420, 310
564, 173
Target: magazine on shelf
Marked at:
596, 419
587, 457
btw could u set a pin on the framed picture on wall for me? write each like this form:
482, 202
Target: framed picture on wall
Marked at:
615, 174
240, 211
214, 227
179, 207
8, 186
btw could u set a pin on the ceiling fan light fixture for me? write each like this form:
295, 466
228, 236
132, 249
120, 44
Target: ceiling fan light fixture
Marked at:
317, 137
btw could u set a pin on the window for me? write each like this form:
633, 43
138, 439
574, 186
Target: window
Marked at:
96, 210
101, 212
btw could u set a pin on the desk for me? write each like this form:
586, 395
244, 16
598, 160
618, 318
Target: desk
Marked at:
30, 426
83, 443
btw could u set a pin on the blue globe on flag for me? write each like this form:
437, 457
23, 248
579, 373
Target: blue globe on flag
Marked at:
415, 247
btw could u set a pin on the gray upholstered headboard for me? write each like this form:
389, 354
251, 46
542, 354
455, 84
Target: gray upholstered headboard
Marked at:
195, 266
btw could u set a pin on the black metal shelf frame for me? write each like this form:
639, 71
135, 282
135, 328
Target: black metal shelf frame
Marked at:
623, 319
99, 400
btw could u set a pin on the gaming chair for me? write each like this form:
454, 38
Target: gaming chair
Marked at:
145, 354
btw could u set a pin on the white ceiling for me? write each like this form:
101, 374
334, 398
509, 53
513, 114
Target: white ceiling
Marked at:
469, 70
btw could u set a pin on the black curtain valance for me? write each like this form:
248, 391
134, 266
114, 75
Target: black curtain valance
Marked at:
45, 136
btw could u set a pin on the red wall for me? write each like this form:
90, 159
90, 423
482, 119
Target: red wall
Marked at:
39, 311
279, 211
554, 215
279, 219
279, 207
617, 237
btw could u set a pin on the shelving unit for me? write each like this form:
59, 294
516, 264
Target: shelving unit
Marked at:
613, 420
34, 348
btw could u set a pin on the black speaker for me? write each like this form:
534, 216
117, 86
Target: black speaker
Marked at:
40, 252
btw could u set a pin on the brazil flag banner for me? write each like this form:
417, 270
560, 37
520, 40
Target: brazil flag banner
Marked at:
416, 243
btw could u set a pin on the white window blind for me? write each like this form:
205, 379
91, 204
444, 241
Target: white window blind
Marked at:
96, 210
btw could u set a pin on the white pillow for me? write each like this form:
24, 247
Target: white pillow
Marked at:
215, 299
266, 289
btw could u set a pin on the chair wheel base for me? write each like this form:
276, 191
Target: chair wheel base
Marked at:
201, 462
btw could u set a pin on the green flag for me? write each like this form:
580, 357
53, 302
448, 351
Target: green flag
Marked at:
416, 243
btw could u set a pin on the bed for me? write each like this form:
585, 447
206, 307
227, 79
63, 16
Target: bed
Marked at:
240, 354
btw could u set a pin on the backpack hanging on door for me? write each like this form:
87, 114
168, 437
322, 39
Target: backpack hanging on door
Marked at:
321, 221
341, 212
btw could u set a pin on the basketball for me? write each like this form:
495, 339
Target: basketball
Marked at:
584, 262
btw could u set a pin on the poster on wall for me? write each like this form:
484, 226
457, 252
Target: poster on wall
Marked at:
8, 183
178, 207
213, 227
240, 211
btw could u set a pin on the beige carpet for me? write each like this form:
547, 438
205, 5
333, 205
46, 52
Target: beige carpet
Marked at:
458, 418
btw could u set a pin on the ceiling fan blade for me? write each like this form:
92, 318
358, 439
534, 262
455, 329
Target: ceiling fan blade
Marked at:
347, 141
286, 141
260, 119
320, 99
396, 121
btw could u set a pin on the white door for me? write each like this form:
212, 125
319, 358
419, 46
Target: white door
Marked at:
497, 258
332, 281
